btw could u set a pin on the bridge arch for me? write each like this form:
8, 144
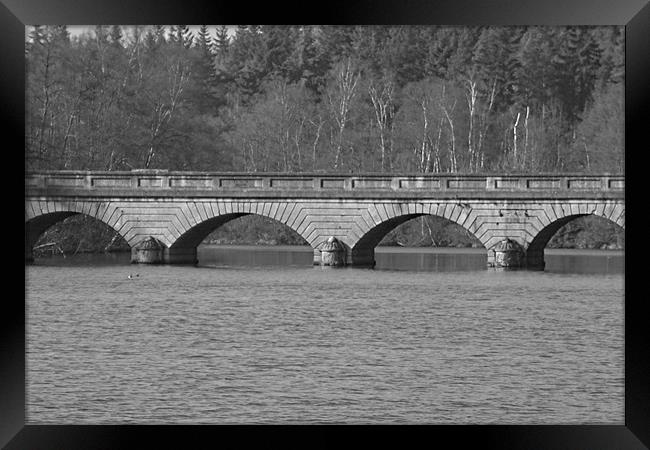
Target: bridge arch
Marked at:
40, 215
561, 215
201, 220
385, 217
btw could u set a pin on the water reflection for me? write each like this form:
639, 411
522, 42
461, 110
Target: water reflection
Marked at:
584, 261
430, 260
387, 258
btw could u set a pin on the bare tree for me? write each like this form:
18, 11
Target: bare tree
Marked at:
317, 123
448, 111
164, 103
340, 98
382, 97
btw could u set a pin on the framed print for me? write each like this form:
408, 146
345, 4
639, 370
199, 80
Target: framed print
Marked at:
494, 148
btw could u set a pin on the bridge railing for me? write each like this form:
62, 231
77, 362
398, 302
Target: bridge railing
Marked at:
156, 184
167, 180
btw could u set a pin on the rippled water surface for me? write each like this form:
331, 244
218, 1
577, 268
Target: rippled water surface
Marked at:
275, 340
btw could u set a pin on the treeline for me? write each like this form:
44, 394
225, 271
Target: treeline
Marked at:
326, 98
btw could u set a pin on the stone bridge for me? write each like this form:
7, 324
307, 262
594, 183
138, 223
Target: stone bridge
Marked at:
179, 209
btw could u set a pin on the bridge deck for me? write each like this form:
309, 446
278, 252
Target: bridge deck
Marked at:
368, 186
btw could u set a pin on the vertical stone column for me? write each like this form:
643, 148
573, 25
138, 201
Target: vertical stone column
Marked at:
152, 251
148, 251
333, 253
507, 254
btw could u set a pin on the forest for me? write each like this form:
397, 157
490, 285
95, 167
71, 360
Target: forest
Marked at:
335, 99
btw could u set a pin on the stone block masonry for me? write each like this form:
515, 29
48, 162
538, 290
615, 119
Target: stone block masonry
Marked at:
178, 210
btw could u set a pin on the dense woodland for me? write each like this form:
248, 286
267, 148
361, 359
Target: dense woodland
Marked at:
343, 99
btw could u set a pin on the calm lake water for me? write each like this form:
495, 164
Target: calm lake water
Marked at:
259, 335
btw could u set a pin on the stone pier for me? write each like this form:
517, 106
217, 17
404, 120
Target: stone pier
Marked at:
509, 253
148, 251
152, 251
333, 253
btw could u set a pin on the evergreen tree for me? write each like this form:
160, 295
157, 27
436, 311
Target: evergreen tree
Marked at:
204, 41
116, 35
279, 43
534, 74
184, 36
307, 61
159, 33
495, 60
335, 42
612, 63
102, 100
221, 41
405, 53
575, 66
442, 46
202, 91
37, 37
368, 46
172, 35
102, 34
461, 61
246, 62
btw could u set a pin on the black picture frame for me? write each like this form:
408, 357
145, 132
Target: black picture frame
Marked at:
633, 14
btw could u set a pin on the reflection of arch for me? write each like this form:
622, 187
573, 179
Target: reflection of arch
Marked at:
392, 216
41, 215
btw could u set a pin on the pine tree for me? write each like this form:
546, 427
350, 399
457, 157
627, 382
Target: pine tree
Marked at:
102, 34
307, 62
495, 60
202, 91
461, 60
61, 34
204, 41
184, 36
534, 74
611, 42
36, 39
116, 35
246, 63
172, 35
442, 45
336, 42
278, 42
159, 33
405, 53
221, 42
575, 66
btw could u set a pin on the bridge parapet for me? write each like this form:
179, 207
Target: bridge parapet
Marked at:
276, 185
